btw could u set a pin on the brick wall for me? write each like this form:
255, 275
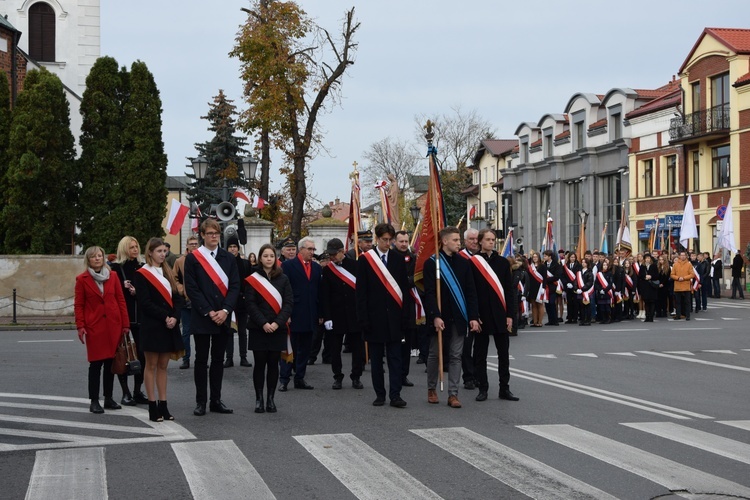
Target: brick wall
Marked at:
5, 62
705, 69
661, 206
744, 160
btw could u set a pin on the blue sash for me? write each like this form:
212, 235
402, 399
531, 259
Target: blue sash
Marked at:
455, 288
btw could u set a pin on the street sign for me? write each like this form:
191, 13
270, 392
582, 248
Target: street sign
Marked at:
721, 211
719, 224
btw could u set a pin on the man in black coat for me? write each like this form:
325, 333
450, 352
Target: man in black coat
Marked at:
570, 271
213, 285
455, 314
737, 264
240, 313
495, 297
717, 273
383, 304
339, 310
401, 246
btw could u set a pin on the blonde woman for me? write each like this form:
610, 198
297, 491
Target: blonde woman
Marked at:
159, 304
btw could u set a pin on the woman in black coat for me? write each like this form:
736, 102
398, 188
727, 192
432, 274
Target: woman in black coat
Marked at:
603, 299
649, 276
585, 294
159, 305
269, 299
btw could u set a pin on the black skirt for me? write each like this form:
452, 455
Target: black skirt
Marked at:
161, 340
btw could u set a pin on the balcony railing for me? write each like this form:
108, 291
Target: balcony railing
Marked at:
702, 122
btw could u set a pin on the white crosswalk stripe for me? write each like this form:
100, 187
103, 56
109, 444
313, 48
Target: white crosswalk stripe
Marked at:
73, 473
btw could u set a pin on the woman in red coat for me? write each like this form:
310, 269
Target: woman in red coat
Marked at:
101, 319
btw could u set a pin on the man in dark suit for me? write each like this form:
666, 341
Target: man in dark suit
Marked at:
401, 246
553, 276
213, 284
364, 243
383, 304
338, 308
493, 281
737, 265
455, 314
304, 276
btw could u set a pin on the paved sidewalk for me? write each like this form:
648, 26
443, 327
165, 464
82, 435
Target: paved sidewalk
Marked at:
37, 323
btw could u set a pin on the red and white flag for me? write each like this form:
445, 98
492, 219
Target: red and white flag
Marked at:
177, 214
258, 202
241, 194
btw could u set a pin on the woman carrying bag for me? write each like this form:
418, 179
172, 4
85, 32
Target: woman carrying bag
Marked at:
158, 303
101, 320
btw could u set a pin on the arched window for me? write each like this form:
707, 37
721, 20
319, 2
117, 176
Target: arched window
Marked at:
42, 32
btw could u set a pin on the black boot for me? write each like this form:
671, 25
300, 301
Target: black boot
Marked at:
95, 406
163, 411
270, 405
153, 412
259, 408
110, 404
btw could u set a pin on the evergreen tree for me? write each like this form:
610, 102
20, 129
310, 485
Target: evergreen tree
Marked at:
223, 152
101, 152
4, 137
41, 186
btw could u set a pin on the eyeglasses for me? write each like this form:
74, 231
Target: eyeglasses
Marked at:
212, 234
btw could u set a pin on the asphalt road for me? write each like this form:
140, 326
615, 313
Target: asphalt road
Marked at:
627, 410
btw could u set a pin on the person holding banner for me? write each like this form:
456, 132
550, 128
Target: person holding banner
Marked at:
268, 299
159, 303
496, 299
338, 308
383, 305
454, 315
213, 284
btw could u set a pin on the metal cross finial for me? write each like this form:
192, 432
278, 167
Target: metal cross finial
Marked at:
355, 165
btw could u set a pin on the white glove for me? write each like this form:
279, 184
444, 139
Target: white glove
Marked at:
601, 292
328, 325
570, 286
579, 292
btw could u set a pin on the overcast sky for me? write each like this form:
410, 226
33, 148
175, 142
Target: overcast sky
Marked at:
511, 61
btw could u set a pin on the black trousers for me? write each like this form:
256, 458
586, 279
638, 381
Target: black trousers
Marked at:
573, 306
241, 335
266, 372
95, 370
481, 348
467, 358
585, 312
551, 307
301, 345
682, 304
650, 308
392, 352
216, 344
334, 343
406, 346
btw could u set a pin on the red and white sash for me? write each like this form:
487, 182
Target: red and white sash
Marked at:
490, 276
696, 281
637, 267
343, 275
541, 294
465, 253
586, 293
603, 282
569, 273
213, 269
558, 285
524, 305
266, 290
385, 276
157, 281
419, 308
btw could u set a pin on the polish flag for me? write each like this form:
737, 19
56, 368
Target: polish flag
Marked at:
258, 202
177, 214
241, 194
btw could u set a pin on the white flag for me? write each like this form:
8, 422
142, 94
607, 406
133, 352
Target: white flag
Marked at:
726, 236
688, 230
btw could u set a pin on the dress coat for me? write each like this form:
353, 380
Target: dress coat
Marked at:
737, 263
603, 298
338, 301
491, 310
378, 314
305, 312
154, 310
260, 312
205, 296
649, 293
449, 311
532, 287
104, 316
588, 281
126, 271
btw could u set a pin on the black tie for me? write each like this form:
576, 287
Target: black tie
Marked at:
212, 255
382, 257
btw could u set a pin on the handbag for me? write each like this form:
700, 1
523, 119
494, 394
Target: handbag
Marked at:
133, 364
654, 283
120, 361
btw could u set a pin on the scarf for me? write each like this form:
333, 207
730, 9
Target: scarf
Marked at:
100, 277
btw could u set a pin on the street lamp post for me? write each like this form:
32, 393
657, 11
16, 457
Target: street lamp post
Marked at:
415, 211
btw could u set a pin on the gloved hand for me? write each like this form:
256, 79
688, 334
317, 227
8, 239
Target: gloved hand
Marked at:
569, 286
579, 291
328, 325
601, 292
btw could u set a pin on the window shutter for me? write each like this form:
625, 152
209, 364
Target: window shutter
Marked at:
42, 32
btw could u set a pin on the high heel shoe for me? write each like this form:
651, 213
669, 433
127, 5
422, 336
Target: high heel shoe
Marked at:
259, 408
270, 405
163, 411
153, 412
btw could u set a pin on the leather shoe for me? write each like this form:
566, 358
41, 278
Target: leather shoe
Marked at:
482, 396
453, 402
398, 402
259, 408
200, 410
310, 362
379, 401
407, 383
127, 400
301, 384
219, 407
95, 407
270, 405
282, 387
506, 394
469, 385
244, 362
432, 397
185, 364
336, 385
140, 398
357, 384
228, 363
110, 404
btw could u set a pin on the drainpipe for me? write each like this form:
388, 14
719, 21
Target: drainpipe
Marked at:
14, 69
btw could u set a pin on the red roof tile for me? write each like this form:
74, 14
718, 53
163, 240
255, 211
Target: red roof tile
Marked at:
663, 102
498, 147
735, 39
598, 124
535, 143
562, 135
743, 80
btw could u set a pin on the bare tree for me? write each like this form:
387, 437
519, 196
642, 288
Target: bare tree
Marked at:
457, 136
390, 156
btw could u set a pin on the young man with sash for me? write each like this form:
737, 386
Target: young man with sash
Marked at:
455, 314
339, 310
213, 284
471, 247
570, 273
383, 305
496, 299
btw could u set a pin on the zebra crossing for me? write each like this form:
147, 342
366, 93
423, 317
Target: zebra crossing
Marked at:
220, 469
